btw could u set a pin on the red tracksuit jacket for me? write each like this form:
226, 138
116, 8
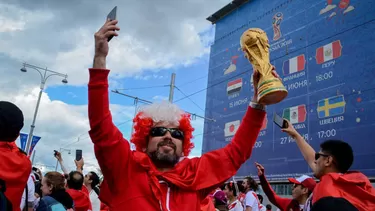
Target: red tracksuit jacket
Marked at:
354, 186
284, 204
131, 181
81, 200
15, 170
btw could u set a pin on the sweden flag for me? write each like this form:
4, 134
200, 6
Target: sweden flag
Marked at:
332, 106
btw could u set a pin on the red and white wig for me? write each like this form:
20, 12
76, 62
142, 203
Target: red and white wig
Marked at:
150, 115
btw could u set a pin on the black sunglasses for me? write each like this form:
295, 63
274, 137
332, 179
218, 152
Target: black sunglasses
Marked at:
161, 131
317, 155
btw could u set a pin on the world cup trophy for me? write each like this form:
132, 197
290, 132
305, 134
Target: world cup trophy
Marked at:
254, 43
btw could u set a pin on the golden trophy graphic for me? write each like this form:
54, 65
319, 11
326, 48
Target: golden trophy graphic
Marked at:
254, 43
277, 18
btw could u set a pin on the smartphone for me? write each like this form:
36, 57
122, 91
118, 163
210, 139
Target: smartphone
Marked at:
279, 121
112, 16
78, 154
55, 152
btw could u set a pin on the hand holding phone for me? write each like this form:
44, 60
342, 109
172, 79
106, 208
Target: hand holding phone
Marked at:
279, 121
78, 154
112, 16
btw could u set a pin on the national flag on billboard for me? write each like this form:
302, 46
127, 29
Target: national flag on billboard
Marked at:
295, 64
23, 140
328, 52
231, 128
234, 86
332, 106
295, 114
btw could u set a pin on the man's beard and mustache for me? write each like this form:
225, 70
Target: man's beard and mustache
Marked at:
163, 159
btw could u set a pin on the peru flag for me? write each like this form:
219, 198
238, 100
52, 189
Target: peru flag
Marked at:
231, 128
296, 114
328, 52
294, 65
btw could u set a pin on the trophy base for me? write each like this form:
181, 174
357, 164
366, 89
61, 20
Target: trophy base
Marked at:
271, 92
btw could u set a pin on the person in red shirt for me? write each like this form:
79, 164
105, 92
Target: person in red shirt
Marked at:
338, 187
158, 175
80, 197
15, 167
302, 187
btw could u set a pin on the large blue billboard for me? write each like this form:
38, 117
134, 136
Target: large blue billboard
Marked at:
324, 50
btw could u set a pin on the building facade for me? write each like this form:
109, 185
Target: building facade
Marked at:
324, 52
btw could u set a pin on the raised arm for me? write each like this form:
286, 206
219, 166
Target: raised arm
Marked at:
307, 151
281, 203
111, 149
79, 165
63, 168
215, 167
59, 158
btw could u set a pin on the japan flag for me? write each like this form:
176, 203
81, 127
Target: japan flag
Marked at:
231, 128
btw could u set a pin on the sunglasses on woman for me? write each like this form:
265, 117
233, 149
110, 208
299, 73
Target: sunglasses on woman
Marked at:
161, 131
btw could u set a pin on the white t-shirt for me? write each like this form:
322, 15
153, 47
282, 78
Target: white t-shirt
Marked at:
251, 200
95, 202
30, 193
308, 202
262, 208
235, 206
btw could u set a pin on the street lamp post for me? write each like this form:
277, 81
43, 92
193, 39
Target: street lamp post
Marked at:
44, 75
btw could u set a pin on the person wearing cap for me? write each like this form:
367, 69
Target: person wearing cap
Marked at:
338, 186
302, 187
15, 167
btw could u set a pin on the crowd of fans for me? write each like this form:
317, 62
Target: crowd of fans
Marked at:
158, 175
26, 188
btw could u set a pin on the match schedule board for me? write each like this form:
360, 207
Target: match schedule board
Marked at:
324, 51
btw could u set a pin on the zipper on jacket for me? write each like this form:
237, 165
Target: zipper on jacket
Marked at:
167, 200
167, 197
161, 207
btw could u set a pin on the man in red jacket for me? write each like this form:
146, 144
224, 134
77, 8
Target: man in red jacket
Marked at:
15, 167
81, 199
338, 187
303, 186
158, 175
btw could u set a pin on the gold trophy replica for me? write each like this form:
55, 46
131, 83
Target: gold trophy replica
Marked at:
254, 43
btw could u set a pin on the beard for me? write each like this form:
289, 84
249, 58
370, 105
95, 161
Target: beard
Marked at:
164, 159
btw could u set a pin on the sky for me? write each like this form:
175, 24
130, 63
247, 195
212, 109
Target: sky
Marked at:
157, 38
